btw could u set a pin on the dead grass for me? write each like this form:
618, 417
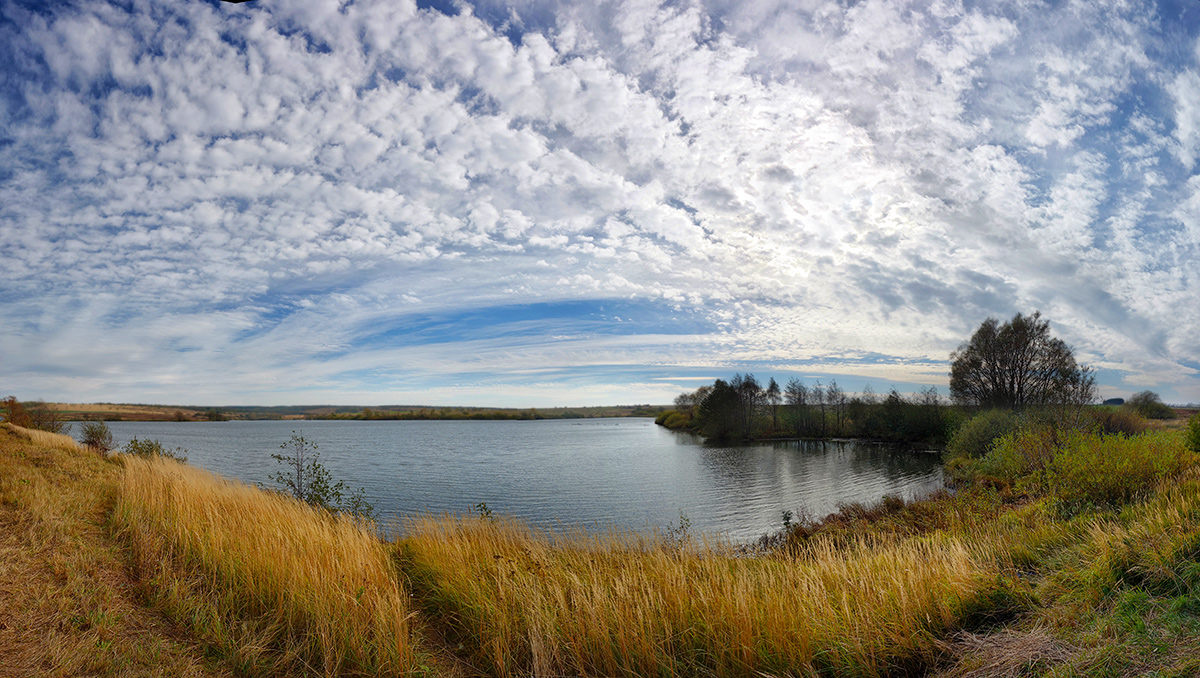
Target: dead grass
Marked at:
1007, 653
67, 605
277, 585
524, 603
57, 441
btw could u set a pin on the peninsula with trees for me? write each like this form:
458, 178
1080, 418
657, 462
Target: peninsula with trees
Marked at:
1013, 365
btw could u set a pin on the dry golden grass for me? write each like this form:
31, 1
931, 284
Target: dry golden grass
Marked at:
67, 605
57, 441
528, 604
278, 585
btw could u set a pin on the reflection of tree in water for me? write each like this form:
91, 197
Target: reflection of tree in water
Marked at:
765, 478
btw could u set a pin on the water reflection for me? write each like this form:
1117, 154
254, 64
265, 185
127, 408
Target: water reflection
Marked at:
624, 473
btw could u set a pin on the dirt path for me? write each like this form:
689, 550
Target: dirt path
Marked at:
67, 604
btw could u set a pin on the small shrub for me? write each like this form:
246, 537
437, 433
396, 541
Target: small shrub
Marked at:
1149, 405
1118, 420
97, 435
1021, 453
149, 449
975, 437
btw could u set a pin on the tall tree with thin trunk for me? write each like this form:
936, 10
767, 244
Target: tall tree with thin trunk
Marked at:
774, 399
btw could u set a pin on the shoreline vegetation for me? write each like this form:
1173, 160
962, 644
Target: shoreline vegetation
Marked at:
743, 410
1062, 550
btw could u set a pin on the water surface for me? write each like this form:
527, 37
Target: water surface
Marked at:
624, 473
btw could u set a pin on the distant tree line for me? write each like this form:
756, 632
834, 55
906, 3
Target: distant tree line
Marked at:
486, 414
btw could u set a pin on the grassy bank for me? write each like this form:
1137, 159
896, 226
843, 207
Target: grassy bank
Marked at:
1062, 553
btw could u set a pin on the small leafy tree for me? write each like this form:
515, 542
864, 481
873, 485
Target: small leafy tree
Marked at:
306, 479
97, 435
14, 412
46, 418
774, 400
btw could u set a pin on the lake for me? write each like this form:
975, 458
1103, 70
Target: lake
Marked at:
597, 473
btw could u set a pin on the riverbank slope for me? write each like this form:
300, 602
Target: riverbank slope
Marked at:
1019, 573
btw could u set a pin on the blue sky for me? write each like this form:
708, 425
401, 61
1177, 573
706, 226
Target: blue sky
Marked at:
558, 203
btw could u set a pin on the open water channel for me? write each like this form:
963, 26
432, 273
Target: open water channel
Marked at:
594, 473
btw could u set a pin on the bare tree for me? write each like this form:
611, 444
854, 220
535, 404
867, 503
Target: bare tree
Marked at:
797, 396
774, 398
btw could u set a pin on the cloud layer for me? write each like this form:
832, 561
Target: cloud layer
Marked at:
556, 203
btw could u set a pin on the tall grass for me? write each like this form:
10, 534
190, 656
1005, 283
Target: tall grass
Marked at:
279, 586
58, 441
524, 603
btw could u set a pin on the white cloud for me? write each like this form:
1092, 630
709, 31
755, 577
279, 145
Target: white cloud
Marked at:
810, 181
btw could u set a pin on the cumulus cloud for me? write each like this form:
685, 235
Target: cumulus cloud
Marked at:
228, 203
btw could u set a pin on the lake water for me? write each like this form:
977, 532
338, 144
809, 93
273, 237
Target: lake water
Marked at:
627, 473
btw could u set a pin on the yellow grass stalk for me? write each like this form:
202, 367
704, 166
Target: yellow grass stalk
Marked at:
527, 603
58, 441
282, 587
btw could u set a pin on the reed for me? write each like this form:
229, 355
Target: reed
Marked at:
278, 586
525, 603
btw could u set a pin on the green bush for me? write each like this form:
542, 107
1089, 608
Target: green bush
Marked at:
1193, 433
97, 435
307, 479
1149, 405
1109, 469
153, 448
1019, 454
974, 438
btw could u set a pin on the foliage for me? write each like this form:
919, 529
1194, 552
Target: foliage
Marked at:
34, 415
307, 479
741, 409
717, 417
1021, 453
1149, 405
14, 412
1111, 469
1117, 420
1193, 433
149, 449
974, 438
674, 420
97, 435
1016, 364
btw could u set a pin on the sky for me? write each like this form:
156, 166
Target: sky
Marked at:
541, 203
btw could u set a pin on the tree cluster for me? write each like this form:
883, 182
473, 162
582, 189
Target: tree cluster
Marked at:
1010, 365
743, 409
37, 415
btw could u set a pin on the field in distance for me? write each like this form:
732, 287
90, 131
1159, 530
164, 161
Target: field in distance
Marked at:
142, 412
